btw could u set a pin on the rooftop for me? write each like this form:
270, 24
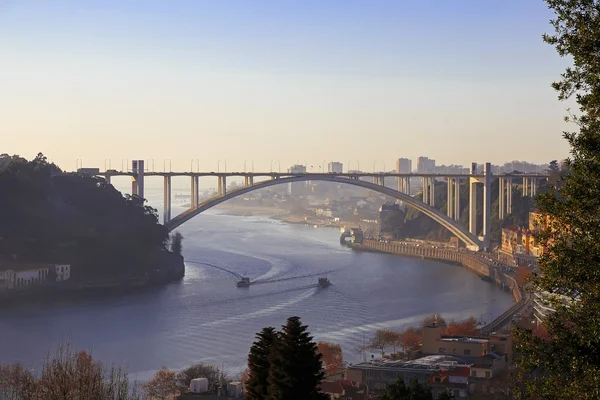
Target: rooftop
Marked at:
428, 363
18, 266
463, 339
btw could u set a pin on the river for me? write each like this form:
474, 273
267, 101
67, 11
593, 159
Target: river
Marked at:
205, 317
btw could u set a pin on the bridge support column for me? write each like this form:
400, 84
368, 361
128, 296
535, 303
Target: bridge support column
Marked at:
509, 195
401, 184
473, 206
220, 186
137, 183
224, 185
487, 205
525, 188
107, 179
246, 181
450, 199
425, 190
533, 187
407, 185
251, 180
431, 191
501, 199
457, 199
167, 200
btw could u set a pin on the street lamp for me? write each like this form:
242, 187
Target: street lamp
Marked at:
374, 162
218, 165
124, 161
165, 165
105, 160
244, 165
148, 164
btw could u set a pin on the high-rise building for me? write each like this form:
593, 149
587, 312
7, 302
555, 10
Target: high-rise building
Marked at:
297, 188
403, 166
335, 167
425, 165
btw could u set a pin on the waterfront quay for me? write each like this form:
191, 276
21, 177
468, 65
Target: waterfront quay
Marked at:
477, 262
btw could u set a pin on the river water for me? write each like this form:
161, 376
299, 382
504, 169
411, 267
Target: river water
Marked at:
205, 317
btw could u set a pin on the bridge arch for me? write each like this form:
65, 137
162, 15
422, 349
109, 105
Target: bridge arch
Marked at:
431, 212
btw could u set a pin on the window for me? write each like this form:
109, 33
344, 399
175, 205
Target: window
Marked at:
474, 373
467, 352
442, 350
487, 374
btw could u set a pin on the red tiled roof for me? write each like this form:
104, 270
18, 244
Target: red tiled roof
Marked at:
461, 371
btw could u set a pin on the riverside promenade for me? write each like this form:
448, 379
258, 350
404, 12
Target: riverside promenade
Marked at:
477, 262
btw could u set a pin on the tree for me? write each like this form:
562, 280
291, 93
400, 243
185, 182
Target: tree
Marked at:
332, 357
17, 383
410, 339
162, 386
467, 327
381, 340
176, 243
259, 363
296, 370
568, 365
213, 374
397, 390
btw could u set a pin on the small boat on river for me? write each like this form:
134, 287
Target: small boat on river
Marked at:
324, 282
244, 282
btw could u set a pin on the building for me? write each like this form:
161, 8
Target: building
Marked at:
520, 243
344, 390
403, 166
455, 381
297, 188
425, 165
335, 167
16, 275
376, 374
434, 342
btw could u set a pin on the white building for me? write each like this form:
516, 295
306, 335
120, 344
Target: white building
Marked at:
297, 188
403, 166
17, 275
335, 167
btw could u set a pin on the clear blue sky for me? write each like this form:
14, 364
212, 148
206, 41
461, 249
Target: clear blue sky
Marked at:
308, 80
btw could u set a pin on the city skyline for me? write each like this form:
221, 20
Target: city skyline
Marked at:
310, 81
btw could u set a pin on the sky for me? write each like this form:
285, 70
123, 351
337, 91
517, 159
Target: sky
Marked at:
274, 83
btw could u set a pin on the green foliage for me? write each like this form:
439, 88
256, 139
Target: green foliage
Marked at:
285, 365
176, 243
296, 369
46, 216
213, 374
568, 365
414, 391
259, 364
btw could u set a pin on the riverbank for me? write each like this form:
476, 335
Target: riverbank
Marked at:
471, 261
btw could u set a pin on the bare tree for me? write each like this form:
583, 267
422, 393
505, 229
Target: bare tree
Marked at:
214, 375
67, 374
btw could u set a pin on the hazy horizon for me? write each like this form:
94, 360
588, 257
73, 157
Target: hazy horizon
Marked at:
306, 82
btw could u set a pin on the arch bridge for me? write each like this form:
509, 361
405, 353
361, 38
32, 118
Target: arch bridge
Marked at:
436, 215
426, 206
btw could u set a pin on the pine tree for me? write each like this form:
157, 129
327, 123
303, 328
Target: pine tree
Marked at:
567, 365
256, 385
296, 370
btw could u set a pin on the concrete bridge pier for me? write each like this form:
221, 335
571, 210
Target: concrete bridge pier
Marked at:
219, 186
167, 200
137, 181
431, 192
501, 198
194, 192
450, 197
508, 195
425, 190
457, 199
487, 204
534, 187
223, 185
525, 187
473, 206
